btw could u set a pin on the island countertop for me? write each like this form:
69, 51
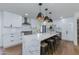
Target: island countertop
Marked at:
40, 36
31, 43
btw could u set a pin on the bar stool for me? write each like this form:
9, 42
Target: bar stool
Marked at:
56, 41
44, 48
50, 46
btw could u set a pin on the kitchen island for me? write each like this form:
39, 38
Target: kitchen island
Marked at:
31, 43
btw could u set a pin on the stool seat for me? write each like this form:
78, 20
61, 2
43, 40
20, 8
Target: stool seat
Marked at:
50, 45
44, 44
57, 41
44, 48
51, 40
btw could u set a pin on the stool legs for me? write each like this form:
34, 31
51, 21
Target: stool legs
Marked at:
44, 49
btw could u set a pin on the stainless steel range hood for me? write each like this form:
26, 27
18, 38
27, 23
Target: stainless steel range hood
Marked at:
25, 21
26, 28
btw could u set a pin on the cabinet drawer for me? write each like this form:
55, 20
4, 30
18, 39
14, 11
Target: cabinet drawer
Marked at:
10, 40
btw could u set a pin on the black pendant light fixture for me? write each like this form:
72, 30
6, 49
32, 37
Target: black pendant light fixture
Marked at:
46, 17
50, 20
40, 15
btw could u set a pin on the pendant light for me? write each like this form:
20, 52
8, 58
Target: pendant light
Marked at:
50, 20
40, 15
46, 18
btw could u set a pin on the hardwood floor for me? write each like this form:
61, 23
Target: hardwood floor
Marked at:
65, 48
16, 50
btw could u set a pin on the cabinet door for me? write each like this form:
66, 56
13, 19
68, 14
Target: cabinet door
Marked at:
7, 41
11, 37
11, 19
17, 21
34, 45
31, 44
7, 18
10, 40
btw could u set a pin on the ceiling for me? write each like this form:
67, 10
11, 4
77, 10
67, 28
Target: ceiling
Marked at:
57, 9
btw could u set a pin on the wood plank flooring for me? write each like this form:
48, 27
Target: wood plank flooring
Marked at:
65, 48
16, 50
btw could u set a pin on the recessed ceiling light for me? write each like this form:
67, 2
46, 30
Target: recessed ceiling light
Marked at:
26, 14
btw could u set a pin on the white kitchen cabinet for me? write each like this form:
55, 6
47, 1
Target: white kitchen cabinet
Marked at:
11, 29
11, 39
12, 19
31, 46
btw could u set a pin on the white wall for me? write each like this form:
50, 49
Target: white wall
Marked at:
0, 30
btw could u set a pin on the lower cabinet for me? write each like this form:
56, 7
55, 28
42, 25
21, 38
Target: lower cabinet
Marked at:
31, 47
11, 40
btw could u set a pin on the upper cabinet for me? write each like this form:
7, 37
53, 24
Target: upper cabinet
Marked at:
11, 19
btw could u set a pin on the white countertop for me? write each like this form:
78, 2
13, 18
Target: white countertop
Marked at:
40, 36
31, 43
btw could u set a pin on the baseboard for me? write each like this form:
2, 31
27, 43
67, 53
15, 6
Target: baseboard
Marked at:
67, 41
